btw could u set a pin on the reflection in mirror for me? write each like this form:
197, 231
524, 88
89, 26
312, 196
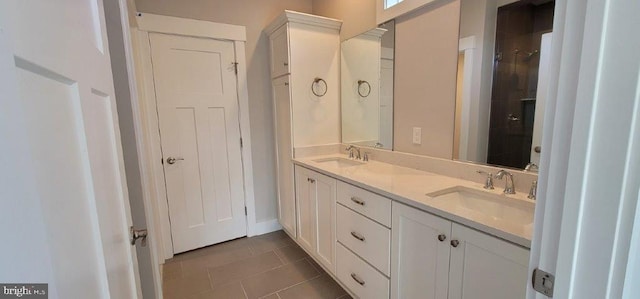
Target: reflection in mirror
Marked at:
502, 80
367, 88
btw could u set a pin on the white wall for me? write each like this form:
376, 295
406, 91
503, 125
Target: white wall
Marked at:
358, 16
426, 58
254, 15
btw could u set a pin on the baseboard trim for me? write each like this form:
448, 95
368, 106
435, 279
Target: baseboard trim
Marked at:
264, 227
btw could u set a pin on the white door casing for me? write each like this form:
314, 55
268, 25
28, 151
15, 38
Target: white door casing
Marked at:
154, 183
590, 175
199, 122
542, 91
64, 87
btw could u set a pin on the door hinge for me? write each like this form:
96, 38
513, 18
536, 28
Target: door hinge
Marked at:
241, 144
245, 210
543, 282
235, 67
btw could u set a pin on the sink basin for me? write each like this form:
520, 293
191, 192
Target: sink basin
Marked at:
338, 162
485, 207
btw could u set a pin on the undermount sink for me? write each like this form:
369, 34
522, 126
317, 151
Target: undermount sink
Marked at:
338, 162
485, 206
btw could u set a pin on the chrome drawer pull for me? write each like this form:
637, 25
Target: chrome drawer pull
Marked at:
357, 200
357, 279
357, 236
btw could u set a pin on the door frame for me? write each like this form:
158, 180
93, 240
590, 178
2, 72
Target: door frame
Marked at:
147, 118
587, 213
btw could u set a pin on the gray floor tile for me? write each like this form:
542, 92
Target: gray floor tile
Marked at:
322, 287
228, 291
240, 269
271, 281
255, 267
291, 253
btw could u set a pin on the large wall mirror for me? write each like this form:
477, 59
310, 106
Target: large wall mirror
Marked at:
457, 79
367, 87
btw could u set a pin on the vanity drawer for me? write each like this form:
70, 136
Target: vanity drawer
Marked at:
363, 280
365, 202
368, 239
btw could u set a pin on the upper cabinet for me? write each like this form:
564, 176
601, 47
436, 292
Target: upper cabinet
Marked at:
307, 48
279, 52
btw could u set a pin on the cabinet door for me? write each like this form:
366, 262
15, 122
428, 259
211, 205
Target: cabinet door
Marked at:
484, 267
324, 191
419, 259
286, 189
280, 52
305, 198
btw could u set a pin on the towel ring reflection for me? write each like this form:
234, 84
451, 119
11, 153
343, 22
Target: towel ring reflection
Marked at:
368, 90
319, 82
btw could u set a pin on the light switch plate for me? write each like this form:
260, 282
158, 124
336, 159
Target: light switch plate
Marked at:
417, 135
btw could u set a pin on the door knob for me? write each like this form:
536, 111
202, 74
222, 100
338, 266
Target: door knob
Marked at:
172, 160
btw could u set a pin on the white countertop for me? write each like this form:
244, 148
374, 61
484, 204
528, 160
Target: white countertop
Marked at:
410, 186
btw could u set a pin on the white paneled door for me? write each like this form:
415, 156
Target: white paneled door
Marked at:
67, 201
195, 83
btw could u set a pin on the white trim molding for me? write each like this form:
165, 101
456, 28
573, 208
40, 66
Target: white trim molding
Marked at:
266, 227
180, 26
590, 168
150, 137
289, 16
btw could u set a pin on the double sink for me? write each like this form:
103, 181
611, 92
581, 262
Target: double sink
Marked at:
485, 207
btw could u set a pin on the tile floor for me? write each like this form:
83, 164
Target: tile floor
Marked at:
270, 266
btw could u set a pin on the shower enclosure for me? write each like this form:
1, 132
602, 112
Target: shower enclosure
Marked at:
519, 31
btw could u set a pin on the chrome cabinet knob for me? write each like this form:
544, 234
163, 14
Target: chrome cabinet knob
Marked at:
455, 243
442, 237
172, 160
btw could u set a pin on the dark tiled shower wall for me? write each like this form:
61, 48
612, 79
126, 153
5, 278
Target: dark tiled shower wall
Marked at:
519, 26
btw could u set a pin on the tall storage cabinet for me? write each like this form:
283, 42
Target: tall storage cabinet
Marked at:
305, 66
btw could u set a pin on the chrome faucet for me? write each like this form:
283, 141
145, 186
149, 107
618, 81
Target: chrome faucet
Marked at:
351, 149
488, 183
509, 188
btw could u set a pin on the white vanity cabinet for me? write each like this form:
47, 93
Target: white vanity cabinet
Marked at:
303, 47
316, 197
435, 258
484, 267
420, 254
